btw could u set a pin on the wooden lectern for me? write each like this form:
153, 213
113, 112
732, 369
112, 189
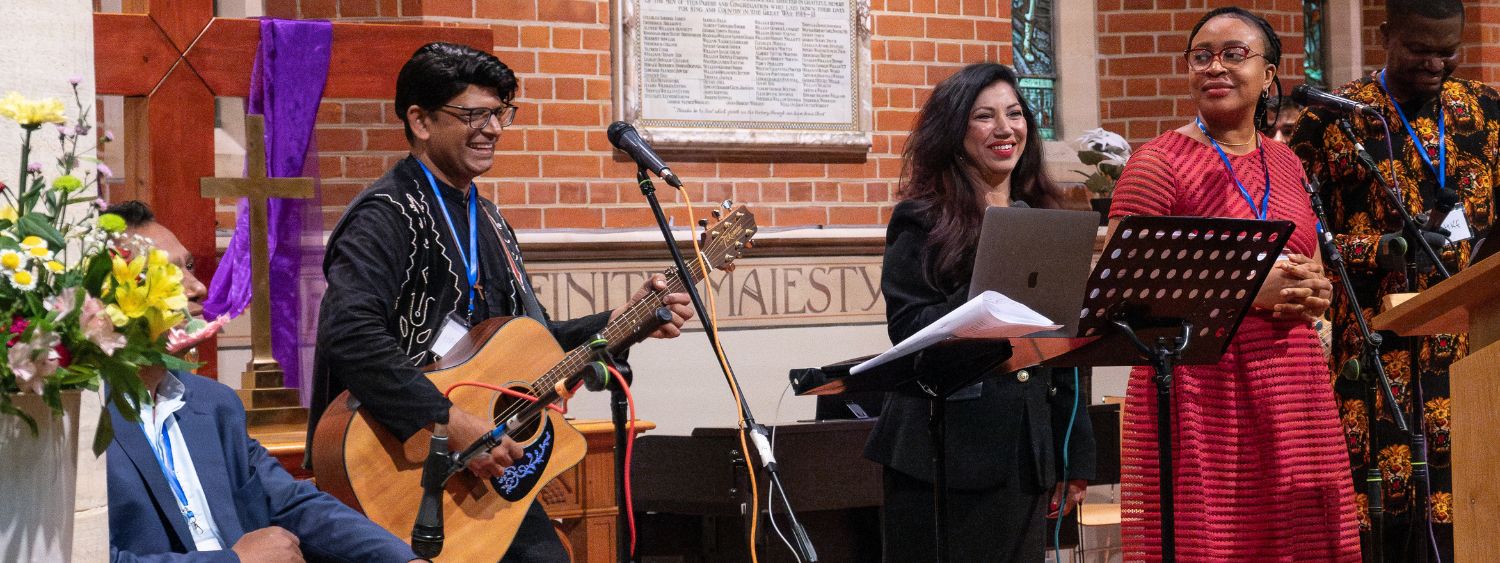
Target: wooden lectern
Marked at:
1467, 302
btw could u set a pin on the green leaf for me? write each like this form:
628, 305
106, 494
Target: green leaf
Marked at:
169, 361
1112, 169
40, 225
105, 433
98, 268
6, 408
1092, 157
1100, 184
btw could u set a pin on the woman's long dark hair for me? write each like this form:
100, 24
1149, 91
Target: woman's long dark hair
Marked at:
1273, 56
937, 179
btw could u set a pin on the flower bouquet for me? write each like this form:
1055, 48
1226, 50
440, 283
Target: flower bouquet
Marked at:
1107, 153
82, 302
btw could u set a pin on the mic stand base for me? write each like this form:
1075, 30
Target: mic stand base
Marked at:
649, 191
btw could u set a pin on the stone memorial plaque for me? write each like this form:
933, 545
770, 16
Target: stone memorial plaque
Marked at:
745, 75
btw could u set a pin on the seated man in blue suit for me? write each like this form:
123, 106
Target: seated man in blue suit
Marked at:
188, 483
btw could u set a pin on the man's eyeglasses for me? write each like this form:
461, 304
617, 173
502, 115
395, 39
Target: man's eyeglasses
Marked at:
478, 118
1230, 57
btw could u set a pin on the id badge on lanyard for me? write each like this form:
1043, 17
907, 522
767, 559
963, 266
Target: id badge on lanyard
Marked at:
1456, 222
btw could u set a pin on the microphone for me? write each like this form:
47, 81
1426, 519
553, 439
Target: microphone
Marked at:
624, 137
1309, 96
427, 533
1446, 201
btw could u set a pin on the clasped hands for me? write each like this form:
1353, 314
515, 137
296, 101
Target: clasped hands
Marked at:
1296, 288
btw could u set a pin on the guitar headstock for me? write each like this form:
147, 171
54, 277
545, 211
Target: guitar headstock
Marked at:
729, 238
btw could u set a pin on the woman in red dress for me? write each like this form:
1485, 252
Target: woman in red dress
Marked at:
1260, 468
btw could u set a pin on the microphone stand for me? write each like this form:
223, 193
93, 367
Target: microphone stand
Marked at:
802, 544
1412, 231
619, 409
1379, 383
1409, 226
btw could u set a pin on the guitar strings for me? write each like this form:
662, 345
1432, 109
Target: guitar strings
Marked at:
576, 359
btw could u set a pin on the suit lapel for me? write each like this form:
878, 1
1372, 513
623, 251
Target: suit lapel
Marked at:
203, 440
133, 442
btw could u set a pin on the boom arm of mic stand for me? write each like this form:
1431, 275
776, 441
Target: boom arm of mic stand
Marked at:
649, 190
1371, 341
1408, 223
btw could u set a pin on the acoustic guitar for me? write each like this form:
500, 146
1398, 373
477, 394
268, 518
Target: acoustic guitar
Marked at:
361, 463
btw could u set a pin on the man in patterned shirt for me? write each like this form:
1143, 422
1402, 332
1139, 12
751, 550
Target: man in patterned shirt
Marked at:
1444, 134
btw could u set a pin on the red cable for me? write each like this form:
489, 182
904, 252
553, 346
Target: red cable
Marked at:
503, 390
629, 449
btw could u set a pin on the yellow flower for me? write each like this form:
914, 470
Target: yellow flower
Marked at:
116, 316
160, 321
31, 113
33, 241
39, 253
130, 303
8, 213
23, 280
55, 266
126, 272
12, 260
164, 287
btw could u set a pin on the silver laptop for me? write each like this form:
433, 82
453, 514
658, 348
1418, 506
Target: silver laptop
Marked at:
1039, 257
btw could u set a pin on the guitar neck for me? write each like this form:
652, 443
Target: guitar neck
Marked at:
640, 318
633, 325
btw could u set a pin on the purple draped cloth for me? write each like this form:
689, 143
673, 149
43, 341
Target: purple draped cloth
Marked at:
286, 86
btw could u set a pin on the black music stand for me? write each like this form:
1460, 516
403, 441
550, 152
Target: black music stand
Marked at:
1172, 289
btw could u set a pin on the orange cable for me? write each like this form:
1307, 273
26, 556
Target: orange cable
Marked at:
739, 403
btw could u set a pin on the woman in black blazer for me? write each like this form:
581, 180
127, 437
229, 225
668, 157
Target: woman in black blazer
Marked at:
971, 148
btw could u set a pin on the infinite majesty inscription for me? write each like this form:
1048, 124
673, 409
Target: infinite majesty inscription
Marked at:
759, 292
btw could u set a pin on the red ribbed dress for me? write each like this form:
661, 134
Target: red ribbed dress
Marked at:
1261, 471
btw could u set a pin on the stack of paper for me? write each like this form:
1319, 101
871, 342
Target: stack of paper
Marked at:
990, 315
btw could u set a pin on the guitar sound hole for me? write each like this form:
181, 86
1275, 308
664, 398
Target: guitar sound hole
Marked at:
506, 406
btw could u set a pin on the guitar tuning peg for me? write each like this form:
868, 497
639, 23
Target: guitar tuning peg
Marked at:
726, 204
703, 223
728, 265
716, 214
749, 244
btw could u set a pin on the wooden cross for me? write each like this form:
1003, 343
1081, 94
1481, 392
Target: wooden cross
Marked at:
258, 189
171, 58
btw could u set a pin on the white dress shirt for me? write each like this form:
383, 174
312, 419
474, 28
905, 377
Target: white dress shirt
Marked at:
157, 421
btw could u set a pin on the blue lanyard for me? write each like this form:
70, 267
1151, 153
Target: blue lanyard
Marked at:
1264, 210
471, 257
1441, 170
163, 453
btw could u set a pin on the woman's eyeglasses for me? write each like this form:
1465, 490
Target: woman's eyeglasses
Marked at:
1229, 57
478, 118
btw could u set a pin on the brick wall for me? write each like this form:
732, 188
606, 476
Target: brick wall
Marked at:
1142, 75
556, 169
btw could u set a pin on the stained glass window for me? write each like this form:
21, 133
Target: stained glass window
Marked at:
1313, 64
1036, 60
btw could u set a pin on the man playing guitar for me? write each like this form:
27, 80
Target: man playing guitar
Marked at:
420, 257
